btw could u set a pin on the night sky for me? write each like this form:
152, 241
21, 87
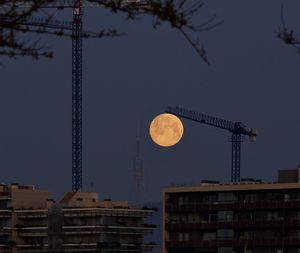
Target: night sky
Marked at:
253, 77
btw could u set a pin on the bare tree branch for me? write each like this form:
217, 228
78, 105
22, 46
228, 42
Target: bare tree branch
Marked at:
179, 14
287, 35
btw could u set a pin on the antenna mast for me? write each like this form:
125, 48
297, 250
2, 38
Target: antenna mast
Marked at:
138, 172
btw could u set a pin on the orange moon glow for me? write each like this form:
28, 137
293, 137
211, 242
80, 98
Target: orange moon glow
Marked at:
166, 130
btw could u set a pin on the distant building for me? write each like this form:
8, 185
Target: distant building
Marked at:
250, 217
31, 222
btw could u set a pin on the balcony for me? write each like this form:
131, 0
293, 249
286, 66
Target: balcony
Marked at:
5, 194
32, 248
255, 224
98, 229
5, 249
236, 206
111, 247
83, 247
234, 243
5, 197
31, 214
6, 230
5, 213
93, 212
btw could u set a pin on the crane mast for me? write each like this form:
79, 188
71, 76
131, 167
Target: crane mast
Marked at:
237, 129
77, 97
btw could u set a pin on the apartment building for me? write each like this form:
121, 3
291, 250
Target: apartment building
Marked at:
250, 216
31, 222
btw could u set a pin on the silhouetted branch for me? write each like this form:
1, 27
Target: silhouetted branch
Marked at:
287, 35
14, 21
178, 13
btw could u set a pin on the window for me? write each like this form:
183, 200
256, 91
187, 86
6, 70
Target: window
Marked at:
173, 219
225, 234
193, 218
278, 215
209, 236
269, 216
225, 216
4, 204
225, 250
208, 218
249, 198
180, 200
225, 196
249, 235
183, 218
5, 223
180, 237
209, 199
186, 236
286, 197
251, 216
238, 216
183, 237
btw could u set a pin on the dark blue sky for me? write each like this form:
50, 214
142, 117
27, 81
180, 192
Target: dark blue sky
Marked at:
253, 78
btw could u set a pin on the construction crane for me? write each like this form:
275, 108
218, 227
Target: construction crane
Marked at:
77, 34
76, 28
237, 129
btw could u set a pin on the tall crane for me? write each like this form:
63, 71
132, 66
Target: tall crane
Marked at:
237, 129
77, 34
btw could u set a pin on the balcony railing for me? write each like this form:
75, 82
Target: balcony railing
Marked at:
253, 224
26, 231
5, 248
5, 194
81, 247
234, 243
32, 214
92, 212
32, 248
98, 229
113, 246
217, 206
5, 213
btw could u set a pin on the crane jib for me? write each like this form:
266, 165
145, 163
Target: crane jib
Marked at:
237, 129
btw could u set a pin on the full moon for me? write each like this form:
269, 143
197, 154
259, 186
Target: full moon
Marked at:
166, 130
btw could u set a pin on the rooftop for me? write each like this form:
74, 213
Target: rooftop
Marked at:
287, 179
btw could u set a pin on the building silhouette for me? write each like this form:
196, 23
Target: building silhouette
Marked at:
30, 222
250, 216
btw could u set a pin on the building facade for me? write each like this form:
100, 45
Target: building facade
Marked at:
31, 222
250, 216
